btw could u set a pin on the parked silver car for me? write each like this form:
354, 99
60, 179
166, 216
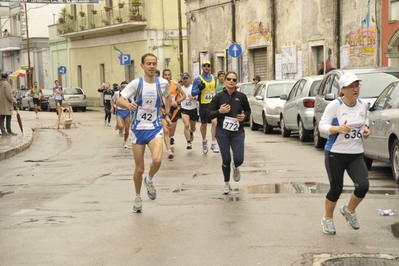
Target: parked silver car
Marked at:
298, 110
383, 142
248, 89
373, 81
267, 105
76, 97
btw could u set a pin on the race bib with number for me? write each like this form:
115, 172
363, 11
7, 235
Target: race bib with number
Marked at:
146, 115
231, 123
107, 97
208, 95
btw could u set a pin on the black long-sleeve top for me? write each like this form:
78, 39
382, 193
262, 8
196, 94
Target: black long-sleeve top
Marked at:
238, 102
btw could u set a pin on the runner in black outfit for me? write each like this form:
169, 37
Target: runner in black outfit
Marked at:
108, 103
230, 107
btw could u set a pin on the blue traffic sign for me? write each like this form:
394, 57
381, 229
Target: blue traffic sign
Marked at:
124, 59
235, 50
62, 70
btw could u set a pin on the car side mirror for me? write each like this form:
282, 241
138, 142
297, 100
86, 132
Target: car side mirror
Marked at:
259, 97
284, 97
330, 97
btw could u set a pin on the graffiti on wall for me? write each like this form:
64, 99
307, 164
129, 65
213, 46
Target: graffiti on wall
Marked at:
258, 33
362, 42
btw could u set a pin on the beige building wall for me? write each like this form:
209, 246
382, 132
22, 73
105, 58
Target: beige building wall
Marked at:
92, 60
317, 30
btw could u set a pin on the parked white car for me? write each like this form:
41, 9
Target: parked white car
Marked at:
383, 142
267, 105
298, 110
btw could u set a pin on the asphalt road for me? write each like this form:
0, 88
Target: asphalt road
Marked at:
67, 201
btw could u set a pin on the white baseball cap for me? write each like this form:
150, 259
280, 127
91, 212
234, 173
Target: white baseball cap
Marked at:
347, 79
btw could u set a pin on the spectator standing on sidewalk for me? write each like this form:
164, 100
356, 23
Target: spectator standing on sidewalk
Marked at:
7, 104
345, 121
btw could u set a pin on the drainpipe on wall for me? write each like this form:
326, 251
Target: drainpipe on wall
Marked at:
337, 33
233, 20
273, 36
378, 48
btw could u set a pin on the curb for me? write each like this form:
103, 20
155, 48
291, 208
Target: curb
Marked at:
17, 144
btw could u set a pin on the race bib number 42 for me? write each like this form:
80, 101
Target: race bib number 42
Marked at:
147, 114
231, 124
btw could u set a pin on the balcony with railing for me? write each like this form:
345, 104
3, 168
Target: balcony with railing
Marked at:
10, 43
101, 22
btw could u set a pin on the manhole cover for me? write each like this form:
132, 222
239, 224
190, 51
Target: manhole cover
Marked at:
360, 262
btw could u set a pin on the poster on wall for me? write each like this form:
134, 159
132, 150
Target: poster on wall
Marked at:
344, 56
244, 67
204, 55
362, 42
288, 59
196, 67
258, 34
277, 64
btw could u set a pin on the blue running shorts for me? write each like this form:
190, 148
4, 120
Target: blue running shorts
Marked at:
143, 137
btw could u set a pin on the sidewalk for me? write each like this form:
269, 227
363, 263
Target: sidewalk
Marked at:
11, 145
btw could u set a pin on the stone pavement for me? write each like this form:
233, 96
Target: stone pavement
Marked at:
11, 145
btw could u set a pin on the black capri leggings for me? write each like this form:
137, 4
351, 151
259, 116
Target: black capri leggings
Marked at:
235, 140
336, 164
107, 110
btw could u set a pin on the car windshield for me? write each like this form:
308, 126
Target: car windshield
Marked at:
277, 89
374, 83
72, 91
247, 89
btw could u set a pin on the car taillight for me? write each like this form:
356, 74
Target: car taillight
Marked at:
84, 96
308, 103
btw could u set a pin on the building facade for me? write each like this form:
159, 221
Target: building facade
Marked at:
285, 38
27, 22
390, 33
105, 43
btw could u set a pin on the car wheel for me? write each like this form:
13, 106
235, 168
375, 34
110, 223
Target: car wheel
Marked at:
319, 142
252, 124
83, 109
284, 131
304, 135
395, 160
267, 129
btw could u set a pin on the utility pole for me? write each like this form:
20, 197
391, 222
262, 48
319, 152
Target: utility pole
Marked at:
180, 38
29, 72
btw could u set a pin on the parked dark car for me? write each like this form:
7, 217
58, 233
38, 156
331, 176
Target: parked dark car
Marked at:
373, 82
383, 142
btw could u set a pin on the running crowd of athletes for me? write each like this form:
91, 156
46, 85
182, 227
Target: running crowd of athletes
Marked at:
148, 108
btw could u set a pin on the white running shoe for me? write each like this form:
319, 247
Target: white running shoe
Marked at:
125, 146
205, 146
227, 189
215, 148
